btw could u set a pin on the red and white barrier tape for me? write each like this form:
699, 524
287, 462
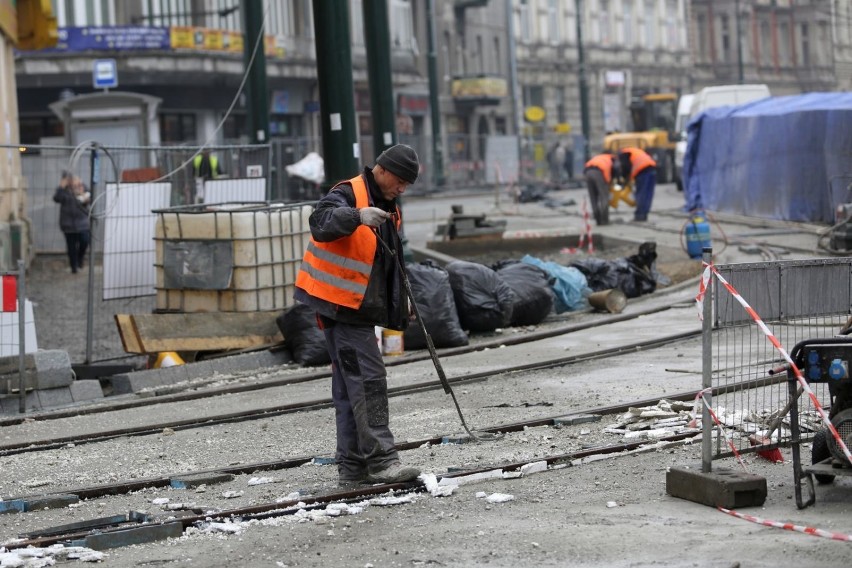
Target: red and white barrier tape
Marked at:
586, 234
730, 442
699, 299
790, 526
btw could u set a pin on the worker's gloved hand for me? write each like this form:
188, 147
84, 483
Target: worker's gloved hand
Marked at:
373, 216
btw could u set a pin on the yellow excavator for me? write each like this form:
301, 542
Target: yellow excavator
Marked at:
653, 118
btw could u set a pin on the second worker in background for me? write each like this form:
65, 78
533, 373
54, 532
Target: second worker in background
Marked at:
355, 284
641, 168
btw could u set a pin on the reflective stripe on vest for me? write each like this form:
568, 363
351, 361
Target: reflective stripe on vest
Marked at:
214, 165
339, 271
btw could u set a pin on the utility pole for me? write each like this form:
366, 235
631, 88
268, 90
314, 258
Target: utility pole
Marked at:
255, 62
741, 74
584, 86
334, 77
513, 81
377, 38
434, 105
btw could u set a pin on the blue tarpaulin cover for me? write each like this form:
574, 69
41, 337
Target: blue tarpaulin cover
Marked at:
786, 158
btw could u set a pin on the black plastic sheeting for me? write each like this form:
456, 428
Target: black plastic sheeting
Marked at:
784, 158
433, 295
483, 301
534, 296
302, 336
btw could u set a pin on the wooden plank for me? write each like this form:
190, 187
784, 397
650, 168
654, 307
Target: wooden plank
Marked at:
127, 332
204, 331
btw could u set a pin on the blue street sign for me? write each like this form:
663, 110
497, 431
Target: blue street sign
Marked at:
104, 74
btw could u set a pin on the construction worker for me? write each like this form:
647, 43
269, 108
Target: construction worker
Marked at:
206, 166
598, 172
354, 283
641, 168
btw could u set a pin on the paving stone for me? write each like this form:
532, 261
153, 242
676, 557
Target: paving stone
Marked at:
718, 488
47, 369
201, 369
11, 404
87, 389
54, 397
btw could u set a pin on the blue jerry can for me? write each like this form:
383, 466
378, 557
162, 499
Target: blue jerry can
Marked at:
697, 236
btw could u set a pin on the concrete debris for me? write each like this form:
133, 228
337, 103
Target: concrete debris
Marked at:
387, 501
434, 488
34, 557
160, 500
534, 467
260, 480
669, 418
611, 504
472, 478
499, 498
231, 494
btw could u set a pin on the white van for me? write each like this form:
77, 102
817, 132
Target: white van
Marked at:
684, 104
710, 97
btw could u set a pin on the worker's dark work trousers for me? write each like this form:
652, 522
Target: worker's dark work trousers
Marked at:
644, 188
598, 195
360, 392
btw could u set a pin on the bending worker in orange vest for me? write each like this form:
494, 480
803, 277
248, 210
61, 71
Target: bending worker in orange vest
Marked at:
598, 172
642, 169
354, 284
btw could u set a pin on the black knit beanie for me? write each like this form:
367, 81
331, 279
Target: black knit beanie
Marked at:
400, 160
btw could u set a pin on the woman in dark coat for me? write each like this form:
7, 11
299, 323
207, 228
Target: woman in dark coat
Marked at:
73, 202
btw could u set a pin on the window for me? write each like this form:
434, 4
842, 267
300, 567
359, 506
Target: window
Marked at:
170, 13
401, 24
650, 24
784, 44
497, 57
533, 95
627, 25
672, 35
806, 46
526, 22
725, 31
552, 22
570, 24
356, 21
33, 129
480, 54
701, 37
177, 127
765, 44
604, 27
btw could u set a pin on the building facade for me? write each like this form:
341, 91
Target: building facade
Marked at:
502, 66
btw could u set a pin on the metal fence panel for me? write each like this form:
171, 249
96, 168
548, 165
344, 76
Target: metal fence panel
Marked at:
797, 300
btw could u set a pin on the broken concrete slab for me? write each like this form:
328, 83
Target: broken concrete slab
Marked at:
719, 488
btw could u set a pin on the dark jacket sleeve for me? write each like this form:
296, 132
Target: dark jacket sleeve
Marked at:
335, 215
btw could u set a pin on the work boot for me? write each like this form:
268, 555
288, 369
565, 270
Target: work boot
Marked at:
394, 473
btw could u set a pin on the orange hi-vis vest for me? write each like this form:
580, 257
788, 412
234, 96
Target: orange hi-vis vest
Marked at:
339, 271
603, 162
639, 160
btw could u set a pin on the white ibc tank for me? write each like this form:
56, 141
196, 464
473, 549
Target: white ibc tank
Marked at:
229, 257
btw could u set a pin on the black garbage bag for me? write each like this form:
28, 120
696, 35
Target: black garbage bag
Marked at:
302, 336
483, 301
430, 285
632, 275
533, 290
